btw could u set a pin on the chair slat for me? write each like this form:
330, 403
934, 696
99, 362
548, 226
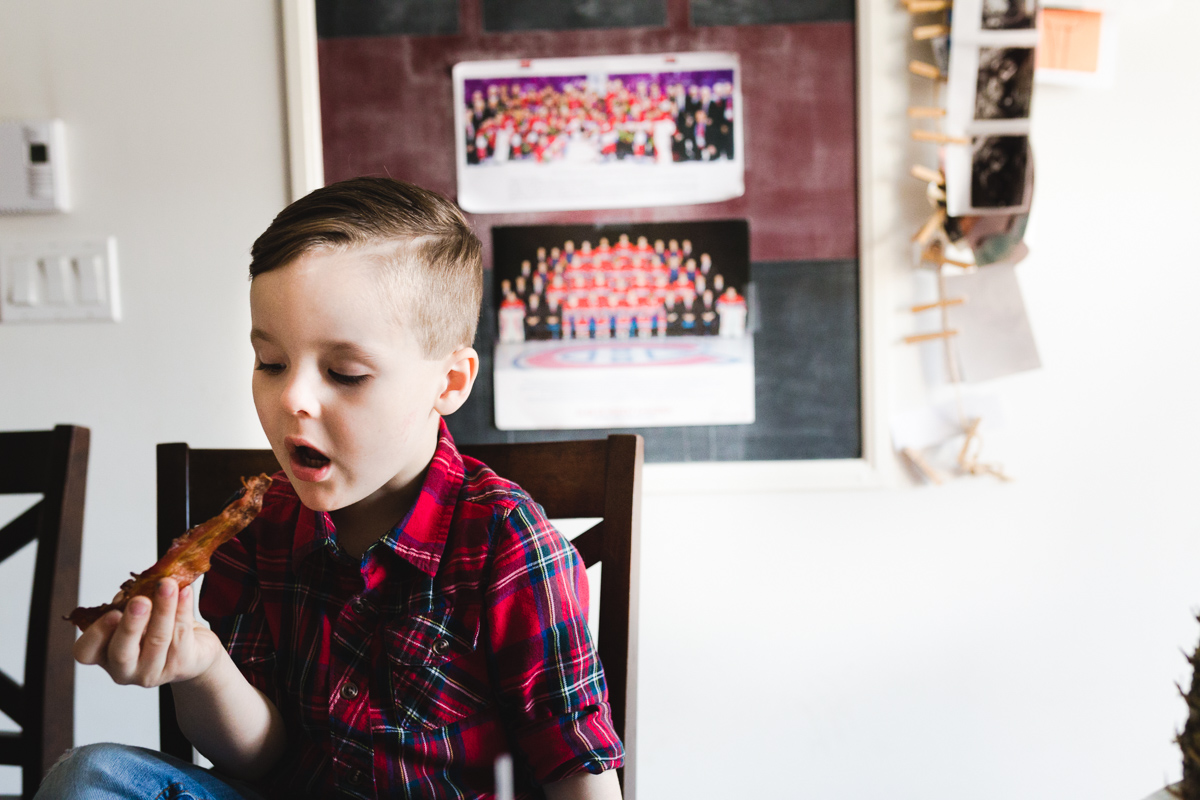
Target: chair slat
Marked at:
12, 701
542, 467
12, 748
590, 544
21, 531
25, 467
209, 497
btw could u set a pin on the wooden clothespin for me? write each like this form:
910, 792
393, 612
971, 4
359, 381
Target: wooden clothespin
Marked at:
953, 301
936, 255
926, 112
929, 337
968, 456
923, 467
972, 433
927, 6
939, 138
923, 173
924, 32
925, 70
931, 227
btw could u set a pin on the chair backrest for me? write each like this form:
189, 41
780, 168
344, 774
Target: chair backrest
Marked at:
53, 464
570, 479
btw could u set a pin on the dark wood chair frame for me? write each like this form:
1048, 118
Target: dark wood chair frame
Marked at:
53, 464
571, 480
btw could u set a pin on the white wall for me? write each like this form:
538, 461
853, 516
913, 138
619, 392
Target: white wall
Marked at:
174, 118
982, 640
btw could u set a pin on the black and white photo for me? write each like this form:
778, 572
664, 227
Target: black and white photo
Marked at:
1009, 15
999, 166
1004, 87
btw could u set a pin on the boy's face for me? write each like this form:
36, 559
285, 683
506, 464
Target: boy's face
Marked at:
347, 399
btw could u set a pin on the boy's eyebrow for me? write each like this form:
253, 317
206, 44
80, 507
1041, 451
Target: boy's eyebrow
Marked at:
350, 349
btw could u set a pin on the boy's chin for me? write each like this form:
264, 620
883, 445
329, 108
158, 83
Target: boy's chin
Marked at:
317, 499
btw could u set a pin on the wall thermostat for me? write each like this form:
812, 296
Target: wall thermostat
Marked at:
33, 166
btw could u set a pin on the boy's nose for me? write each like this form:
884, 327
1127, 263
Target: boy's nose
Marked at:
300, 397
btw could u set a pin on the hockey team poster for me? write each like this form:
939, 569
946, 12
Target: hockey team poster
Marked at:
634, 325
589, 133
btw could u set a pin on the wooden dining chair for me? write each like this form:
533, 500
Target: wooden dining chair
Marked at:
596, 478
51, 463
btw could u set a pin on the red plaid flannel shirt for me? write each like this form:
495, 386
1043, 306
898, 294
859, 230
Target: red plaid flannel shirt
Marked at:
460, 635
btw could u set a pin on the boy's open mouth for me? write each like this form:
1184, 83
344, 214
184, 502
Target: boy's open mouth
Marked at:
309, 457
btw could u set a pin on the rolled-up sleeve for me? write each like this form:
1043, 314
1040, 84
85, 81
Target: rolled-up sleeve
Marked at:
549, 679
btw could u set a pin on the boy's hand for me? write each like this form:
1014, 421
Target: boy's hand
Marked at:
151, 643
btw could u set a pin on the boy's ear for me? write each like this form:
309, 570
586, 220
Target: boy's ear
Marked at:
462, 367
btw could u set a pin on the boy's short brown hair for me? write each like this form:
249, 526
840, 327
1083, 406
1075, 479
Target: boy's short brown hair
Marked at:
436, 271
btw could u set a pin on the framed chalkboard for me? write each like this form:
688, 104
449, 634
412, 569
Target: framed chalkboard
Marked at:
808, 136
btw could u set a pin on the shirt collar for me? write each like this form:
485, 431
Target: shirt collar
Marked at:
419, 538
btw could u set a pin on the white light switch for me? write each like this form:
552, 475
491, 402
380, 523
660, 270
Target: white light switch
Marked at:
56, 274
52, 281
23, 286
89, 274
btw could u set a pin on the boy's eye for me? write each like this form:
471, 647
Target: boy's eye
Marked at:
270, 369
347, 380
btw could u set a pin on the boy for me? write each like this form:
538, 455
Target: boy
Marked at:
397, 616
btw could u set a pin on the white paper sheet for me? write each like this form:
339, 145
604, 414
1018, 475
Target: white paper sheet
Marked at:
939, 423
591, 384
994, 335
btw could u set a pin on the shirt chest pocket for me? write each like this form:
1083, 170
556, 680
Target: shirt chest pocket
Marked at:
438, 677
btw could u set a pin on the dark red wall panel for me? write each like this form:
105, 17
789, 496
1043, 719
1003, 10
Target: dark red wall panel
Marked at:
387, 109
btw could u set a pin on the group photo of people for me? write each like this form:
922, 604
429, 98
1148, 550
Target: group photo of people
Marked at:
622, 284
652, 118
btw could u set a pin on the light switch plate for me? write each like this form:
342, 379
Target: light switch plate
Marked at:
59, 281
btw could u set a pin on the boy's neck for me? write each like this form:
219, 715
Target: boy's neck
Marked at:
362, 524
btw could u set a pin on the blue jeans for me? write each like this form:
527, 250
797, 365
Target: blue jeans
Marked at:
122, 772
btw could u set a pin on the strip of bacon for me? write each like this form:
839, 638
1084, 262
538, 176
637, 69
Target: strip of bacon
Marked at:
189, 556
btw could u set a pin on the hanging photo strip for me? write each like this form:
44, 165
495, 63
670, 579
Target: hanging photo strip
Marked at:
598, 132
988, 163
636, 325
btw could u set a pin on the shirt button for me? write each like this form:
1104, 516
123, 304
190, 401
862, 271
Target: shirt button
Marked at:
359, 605
440, 646
349, 691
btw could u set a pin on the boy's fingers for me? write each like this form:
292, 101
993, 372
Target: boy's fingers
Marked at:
185, 624
126, 643
92, 645
159, 632
185, 617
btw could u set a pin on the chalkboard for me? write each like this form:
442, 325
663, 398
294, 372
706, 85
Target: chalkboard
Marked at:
566, 15
769, 12
807, 385
338, 18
